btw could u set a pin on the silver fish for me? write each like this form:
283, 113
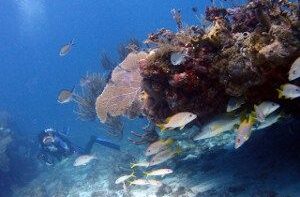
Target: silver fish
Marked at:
83, 160
164, 156
264, 109
177, 58
64, 50
65, 96
178, 120
294, 72
217, 126
289, 91
234, 103
244, 131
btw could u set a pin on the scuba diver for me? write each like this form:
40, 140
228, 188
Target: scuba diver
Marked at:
55, 146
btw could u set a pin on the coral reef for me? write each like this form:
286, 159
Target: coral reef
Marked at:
245, 52
132, 45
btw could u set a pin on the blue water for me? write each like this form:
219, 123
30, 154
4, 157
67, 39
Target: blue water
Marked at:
33, 31
32, 72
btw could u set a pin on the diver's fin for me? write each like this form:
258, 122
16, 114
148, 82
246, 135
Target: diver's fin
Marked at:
107, 143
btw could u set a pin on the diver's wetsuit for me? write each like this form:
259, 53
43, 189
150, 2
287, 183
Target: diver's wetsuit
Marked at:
55, 146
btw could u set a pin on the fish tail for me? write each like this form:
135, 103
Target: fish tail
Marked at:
169, 141
146, 174
72, 42
72, 90
280, 93
161, 127
178, 150
252, 117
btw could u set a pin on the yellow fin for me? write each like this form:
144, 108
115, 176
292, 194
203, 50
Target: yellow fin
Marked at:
132, 174
252, 118
280, 93
169, 141
178, 150
168, 119
215, 127
146, 174
161, 126
133, 165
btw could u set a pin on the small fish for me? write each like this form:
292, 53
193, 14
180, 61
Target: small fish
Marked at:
234, 103
140, 164
139, 182
83, 160
195, 9
177, 58
289, 91
124, 178
217, 126
158, 146
146, 182
244, 131
64, 50
294, 72
190, 157
164, 156
264, 109
178, 120
159, 172
154, 182
65, 96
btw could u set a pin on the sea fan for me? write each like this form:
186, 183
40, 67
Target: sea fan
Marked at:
91, 87
122, 90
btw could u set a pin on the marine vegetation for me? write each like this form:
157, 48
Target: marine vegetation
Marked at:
125, 48
91, 86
